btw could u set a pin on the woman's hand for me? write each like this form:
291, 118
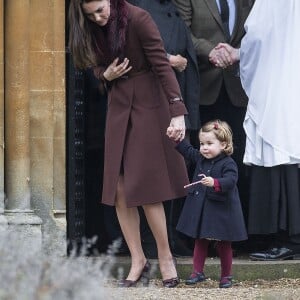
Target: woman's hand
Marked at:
178, 62
176, 130
115, 71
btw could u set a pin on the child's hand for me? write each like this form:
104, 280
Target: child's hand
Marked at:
169, 132
207, 180
176, 129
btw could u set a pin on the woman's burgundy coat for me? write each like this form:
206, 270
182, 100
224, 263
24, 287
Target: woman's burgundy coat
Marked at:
208, 213
139, 112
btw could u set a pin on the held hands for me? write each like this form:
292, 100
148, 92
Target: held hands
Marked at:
115, 71
178, 62
176, 129
224, 55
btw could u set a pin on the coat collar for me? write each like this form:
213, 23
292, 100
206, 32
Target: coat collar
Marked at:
215, 159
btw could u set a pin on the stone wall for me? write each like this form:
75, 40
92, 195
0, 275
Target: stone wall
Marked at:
1, 109
47, 102
32, 78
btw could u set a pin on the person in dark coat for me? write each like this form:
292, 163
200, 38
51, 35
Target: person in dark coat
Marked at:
180, 52
123, 45
182, 57
212, 210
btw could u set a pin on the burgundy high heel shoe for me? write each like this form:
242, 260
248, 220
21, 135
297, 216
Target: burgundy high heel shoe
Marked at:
171, 282
144, 278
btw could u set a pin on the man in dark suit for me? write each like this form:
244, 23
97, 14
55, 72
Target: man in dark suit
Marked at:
222, 96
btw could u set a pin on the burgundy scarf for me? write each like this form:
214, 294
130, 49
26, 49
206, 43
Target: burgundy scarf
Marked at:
110, 40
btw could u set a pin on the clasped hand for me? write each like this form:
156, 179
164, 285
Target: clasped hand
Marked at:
223, 55
116, 70
178, 62
176, 129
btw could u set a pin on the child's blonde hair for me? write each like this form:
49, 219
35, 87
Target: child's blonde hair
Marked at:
222, 131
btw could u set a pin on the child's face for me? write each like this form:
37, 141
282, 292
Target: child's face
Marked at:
210, 146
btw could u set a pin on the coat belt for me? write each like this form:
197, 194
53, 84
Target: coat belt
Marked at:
134, 74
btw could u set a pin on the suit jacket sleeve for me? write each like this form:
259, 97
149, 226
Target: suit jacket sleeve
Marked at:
202, 46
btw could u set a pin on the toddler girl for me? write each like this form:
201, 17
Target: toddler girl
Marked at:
212, 210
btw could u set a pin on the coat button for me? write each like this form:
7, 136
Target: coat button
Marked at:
196, 193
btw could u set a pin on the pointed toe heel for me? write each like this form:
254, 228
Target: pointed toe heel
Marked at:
124, 283
171, 283
144, 278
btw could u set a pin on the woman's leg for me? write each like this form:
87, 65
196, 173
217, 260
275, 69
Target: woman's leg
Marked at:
130, 224
156, 219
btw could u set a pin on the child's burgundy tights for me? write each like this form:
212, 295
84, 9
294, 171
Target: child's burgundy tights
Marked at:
224, 251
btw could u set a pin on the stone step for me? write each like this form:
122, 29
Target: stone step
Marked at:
243, 268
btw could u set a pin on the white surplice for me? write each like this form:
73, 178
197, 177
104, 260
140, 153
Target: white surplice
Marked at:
270, 75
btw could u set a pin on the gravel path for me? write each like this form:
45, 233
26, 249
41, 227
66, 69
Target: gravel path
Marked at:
258, 289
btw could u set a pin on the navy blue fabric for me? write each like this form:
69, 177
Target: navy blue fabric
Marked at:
207, 213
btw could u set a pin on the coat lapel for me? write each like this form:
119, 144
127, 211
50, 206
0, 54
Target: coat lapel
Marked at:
213, 7
237, 19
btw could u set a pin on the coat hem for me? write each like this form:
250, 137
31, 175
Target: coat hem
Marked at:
138, 203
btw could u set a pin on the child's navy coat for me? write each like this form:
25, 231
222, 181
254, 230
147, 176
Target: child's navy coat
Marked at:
207, 213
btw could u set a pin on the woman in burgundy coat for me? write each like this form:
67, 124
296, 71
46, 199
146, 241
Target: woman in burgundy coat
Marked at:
142, 168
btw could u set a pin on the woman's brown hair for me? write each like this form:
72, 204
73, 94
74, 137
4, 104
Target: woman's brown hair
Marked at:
83, 43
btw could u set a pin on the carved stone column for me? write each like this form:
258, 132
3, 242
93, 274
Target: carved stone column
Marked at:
3, 221
17, 128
